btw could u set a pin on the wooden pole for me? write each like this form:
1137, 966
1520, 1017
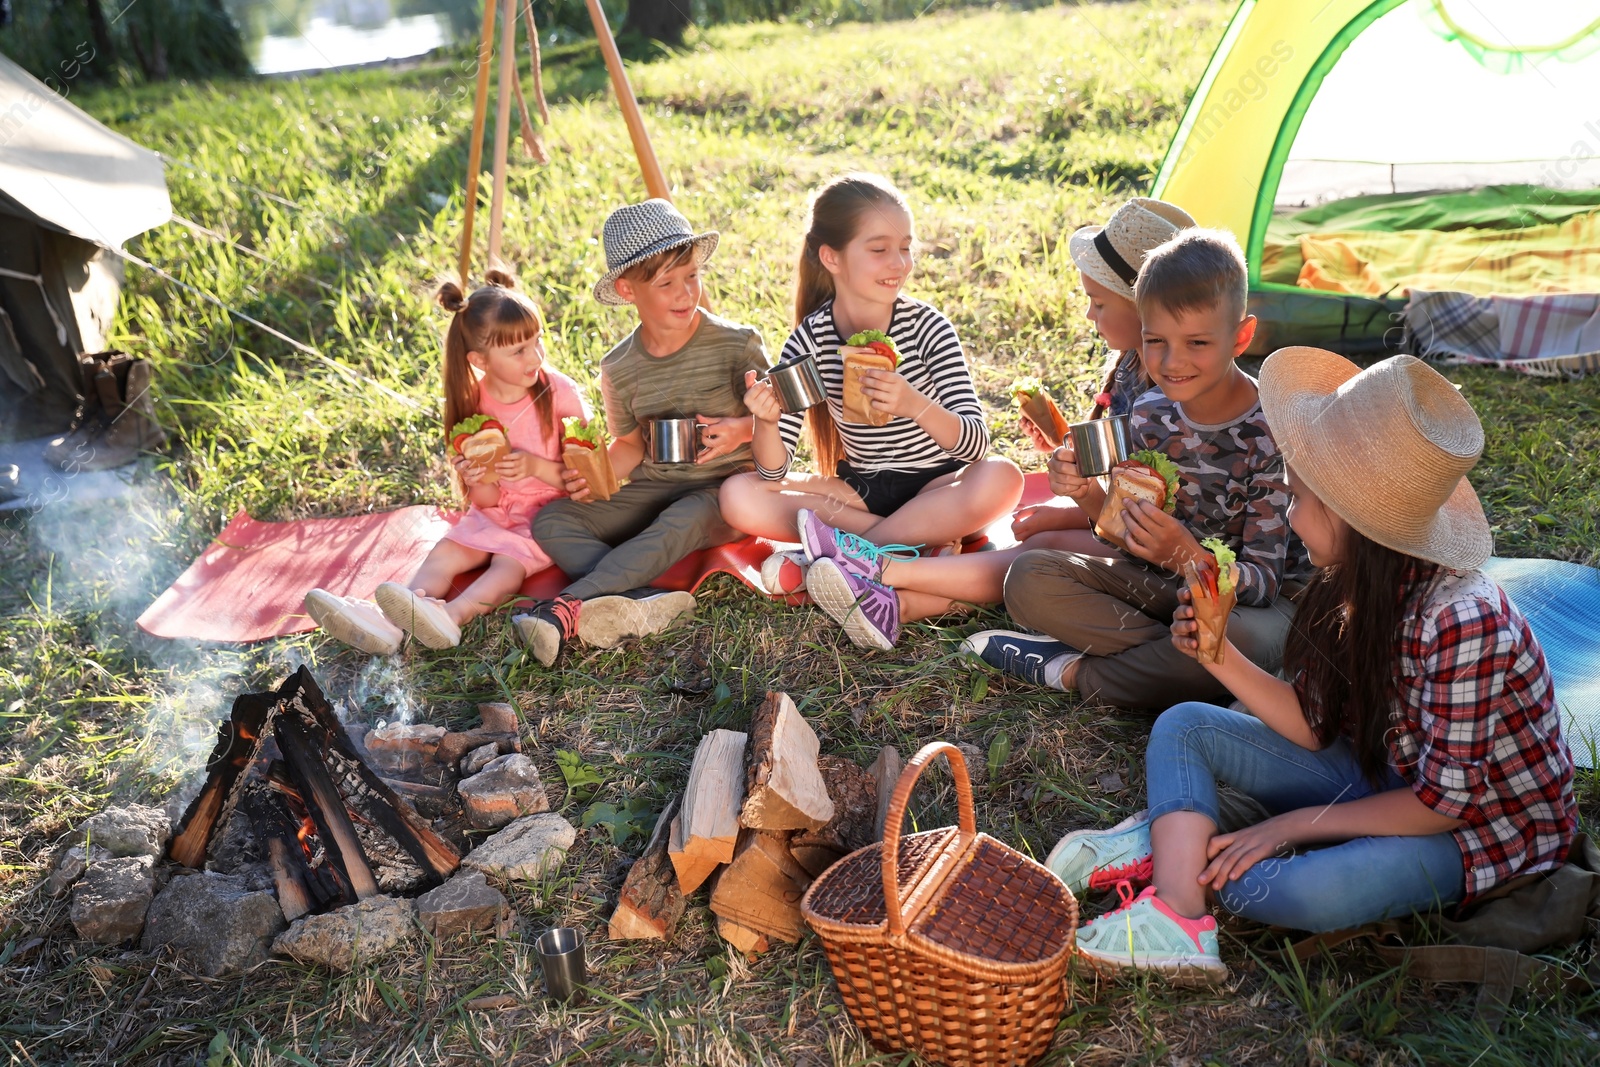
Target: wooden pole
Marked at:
480, 107
502, 126
655, 182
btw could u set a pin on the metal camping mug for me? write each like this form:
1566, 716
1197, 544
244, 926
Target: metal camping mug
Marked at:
798, 384
1100, 444
561, 958
674, 440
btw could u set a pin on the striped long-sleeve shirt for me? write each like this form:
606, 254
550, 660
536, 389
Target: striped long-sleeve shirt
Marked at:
932, 362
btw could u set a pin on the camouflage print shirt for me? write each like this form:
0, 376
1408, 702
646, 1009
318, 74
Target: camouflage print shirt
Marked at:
1231, 486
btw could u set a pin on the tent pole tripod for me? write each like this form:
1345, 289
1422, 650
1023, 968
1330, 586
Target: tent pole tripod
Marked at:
655, 182
480, 109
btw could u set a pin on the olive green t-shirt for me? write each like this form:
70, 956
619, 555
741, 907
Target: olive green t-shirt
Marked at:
704, 377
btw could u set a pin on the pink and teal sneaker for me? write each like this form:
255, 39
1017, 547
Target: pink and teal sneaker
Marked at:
1146, 935
868, 611
852, 553
1099, 859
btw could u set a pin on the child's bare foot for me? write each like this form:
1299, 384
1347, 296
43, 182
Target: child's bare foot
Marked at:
423, 616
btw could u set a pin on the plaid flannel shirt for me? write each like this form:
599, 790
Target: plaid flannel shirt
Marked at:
1476, 730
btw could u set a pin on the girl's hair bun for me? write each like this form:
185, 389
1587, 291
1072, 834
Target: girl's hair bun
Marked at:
450, 297
501, 278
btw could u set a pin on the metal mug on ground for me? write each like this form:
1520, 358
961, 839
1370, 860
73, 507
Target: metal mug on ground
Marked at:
1100, 444
674, 441
798, 385
561, 958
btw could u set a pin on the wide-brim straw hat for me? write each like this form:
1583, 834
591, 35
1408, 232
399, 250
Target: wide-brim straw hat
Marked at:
1112, 254
1387, 448
636, 232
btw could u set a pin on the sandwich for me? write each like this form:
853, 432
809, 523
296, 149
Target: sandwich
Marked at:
1039, 408
583, 449
1146, 475
483, 442
867, 350
1213, 589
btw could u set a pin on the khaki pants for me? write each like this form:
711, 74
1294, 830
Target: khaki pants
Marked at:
1118, 613
612, 546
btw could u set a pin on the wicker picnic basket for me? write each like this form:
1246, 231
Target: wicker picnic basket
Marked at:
946, 942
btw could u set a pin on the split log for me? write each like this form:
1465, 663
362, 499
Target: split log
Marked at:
750, 942
783, 788
651, 903
886, 771
855, 808
762, 887
707, 827
855, 799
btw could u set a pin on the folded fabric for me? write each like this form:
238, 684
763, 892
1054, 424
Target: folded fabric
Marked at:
1552, 334
1559, 257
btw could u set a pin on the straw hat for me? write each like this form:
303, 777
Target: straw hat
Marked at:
636, 232
1112, 254
1387, 448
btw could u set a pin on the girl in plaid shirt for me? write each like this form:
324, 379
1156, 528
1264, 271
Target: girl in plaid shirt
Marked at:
1415, 758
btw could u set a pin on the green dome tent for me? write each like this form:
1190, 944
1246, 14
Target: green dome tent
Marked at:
1361, 149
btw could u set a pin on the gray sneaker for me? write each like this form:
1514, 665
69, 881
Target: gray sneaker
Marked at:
606, 620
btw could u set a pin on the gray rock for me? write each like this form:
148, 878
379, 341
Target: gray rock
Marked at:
465, 902
478, 759
507, 788
528, 848
362, 930
110, 900
70, 864
135, 830
213, 922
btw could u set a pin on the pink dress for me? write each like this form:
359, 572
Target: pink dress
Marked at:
503, 530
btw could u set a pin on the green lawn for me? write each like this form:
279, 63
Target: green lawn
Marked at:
343, 195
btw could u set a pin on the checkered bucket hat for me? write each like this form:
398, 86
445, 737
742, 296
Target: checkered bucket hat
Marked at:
636, 232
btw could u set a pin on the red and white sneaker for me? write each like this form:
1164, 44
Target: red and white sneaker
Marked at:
783, 573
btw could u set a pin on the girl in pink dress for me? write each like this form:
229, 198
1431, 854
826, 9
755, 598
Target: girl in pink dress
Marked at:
494, 365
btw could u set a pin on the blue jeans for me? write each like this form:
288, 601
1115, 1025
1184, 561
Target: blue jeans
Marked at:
1195, 745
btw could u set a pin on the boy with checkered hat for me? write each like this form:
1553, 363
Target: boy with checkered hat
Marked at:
680, 362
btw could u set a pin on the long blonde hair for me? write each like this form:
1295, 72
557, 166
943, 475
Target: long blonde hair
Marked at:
497, 313
833, 221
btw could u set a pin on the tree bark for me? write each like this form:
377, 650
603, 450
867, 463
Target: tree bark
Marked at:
659, 20
100, 30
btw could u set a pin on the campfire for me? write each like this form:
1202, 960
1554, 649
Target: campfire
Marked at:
287, 785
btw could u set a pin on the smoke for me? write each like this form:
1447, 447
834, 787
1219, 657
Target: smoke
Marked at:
381, 693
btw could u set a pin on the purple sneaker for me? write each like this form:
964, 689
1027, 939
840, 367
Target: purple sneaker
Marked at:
852, 553
868, 611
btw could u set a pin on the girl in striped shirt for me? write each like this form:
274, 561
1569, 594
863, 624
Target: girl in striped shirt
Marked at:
923, 478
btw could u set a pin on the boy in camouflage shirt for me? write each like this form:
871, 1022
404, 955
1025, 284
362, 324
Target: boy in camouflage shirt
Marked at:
1106, 616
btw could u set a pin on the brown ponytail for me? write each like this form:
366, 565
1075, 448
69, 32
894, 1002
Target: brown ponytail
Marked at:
833, 220
497, 313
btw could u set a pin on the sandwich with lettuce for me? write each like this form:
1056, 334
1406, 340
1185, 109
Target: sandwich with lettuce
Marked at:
1146, 475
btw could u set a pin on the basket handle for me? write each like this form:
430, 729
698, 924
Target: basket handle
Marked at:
897, 812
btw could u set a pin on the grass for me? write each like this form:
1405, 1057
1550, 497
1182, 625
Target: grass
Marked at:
340, 200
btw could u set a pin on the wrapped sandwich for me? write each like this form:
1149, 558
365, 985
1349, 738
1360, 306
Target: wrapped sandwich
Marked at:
1039, 408
1213, 588
1146, 475
483, 442
867, 350
583, 448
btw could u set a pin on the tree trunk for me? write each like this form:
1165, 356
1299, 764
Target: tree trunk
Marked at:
100, 30
659, 20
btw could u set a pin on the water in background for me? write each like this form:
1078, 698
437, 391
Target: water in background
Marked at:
282, 36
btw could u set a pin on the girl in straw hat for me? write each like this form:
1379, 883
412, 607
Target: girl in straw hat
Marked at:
1416, 751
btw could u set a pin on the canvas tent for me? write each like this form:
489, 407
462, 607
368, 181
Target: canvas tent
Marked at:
71, 192
1363, 149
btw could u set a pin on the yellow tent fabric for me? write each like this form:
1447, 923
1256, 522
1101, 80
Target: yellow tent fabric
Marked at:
1219, 156
1556, 258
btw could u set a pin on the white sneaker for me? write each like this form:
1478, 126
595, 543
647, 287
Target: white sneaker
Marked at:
358, 623
606, 620
422, 616
783, 573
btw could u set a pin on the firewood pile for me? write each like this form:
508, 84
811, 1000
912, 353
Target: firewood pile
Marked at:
763, 814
